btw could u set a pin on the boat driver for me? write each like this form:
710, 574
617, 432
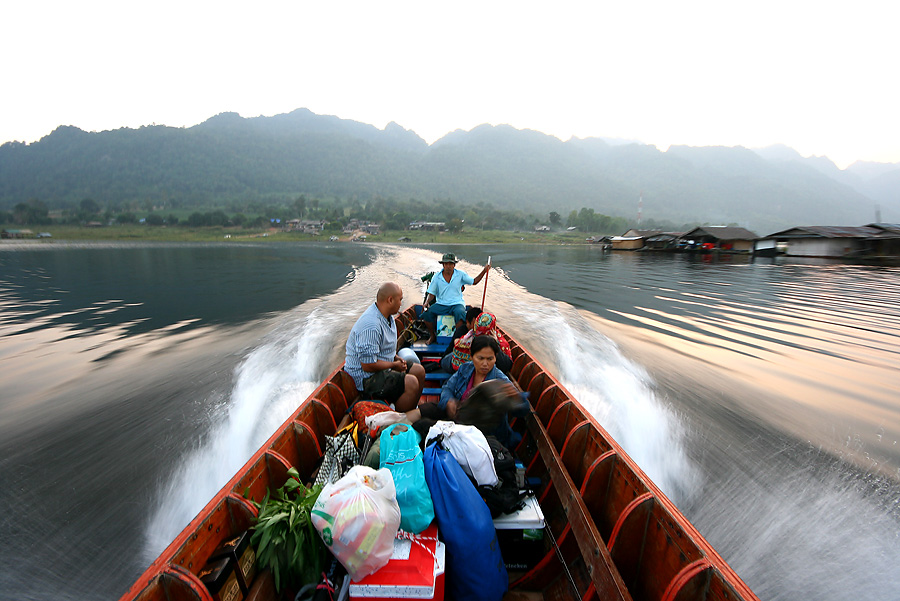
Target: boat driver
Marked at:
444, 295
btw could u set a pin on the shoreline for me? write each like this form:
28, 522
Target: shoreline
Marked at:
140, 234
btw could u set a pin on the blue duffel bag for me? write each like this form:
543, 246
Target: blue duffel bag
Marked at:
475, 568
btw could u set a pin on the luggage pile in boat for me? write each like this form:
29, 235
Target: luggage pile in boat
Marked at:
399, 508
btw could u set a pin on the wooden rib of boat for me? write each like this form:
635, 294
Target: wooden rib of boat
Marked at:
613, 533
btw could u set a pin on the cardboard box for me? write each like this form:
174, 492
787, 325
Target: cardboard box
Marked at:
521, 536
241, 551
412, 572
220, 579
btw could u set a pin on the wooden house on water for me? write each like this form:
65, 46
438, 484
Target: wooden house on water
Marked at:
719, 238
633, 239
874, 240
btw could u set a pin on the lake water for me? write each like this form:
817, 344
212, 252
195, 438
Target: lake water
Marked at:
761, 396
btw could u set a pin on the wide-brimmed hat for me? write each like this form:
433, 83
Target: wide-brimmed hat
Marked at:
449, 258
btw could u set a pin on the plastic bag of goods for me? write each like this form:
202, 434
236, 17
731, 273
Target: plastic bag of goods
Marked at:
401, 454
358, 518
469, 447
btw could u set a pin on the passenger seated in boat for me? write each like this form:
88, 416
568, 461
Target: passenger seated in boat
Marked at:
372, 359
444, 296
482, 368
484, 324
461, 330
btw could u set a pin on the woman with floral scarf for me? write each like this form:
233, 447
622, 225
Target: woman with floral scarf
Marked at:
485, 325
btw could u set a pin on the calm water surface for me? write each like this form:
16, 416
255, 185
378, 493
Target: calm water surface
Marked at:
134, 380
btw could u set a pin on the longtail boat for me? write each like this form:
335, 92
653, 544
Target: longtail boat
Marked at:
612, 533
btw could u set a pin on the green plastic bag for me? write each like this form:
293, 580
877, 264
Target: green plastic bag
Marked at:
400, 453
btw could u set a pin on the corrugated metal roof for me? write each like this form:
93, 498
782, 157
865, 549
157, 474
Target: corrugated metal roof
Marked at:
891, 229
663, 236
642, 233
722, 232
828, 231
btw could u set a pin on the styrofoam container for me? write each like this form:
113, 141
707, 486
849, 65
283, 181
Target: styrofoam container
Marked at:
521, 536
528, 518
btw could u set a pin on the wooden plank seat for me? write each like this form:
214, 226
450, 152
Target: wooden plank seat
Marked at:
437, 376
435, 348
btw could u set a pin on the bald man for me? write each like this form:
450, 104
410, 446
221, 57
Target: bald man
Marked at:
372, 359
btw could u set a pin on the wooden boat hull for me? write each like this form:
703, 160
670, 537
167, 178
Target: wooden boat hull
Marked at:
612, 534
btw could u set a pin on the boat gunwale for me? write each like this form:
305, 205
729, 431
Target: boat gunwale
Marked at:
714, 559
161, 564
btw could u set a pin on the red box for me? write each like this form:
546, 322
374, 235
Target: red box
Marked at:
411, 573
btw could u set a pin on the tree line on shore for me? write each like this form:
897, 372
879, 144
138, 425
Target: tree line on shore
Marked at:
336, 213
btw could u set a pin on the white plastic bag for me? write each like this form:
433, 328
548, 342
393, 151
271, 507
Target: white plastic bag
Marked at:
358, 517
470, 448
386, 418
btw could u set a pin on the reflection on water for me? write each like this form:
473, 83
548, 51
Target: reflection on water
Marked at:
149, 287
759, 396
820, 343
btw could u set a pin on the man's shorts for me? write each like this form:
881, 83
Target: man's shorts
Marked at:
386, 385
431, 313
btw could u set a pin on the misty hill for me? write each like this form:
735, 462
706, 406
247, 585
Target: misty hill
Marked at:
878, 181
229, 158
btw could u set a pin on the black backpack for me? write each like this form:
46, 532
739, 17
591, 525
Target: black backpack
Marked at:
505, 497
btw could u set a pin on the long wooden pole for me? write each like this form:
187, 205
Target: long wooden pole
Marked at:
486, 274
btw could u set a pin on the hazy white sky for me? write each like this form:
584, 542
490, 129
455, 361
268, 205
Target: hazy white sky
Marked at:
819, 76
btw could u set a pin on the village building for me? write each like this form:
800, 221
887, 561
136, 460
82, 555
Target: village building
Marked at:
17, 233
428, 225
367, 227
305, 226
866, 241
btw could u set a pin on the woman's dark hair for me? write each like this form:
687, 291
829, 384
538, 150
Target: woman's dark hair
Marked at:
480, 342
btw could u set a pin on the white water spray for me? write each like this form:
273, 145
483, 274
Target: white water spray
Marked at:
297, 352
616, 391
268, 386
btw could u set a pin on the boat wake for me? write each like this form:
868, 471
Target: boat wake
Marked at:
267, 387
616, 391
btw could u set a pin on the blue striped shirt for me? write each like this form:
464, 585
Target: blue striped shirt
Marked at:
373, 338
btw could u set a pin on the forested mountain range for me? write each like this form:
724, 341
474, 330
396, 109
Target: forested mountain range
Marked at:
231, 159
